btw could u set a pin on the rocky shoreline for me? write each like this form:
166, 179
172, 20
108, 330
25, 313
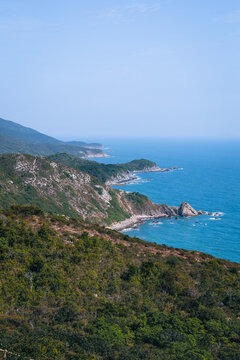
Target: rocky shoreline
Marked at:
131, 222
127, 177
165, 211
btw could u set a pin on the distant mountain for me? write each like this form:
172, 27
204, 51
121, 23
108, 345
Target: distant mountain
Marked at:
10, 145
15, 138
17, 131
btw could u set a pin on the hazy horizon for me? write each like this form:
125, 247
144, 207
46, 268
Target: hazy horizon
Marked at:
133, 69
105, 139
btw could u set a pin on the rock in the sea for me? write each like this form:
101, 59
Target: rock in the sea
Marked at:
186, 210
169, 211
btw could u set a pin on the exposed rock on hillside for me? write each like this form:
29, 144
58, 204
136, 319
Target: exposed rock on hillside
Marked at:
124, 178
159, 211
110, 174
56, 188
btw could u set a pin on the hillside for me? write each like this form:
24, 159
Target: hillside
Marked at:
25, 179
17, 131
9, 145
15, 138
84, 144
106, 173
71, 290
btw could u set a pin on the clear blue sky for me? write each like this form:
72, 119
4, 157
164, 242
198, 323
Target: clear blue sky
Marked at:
74, 68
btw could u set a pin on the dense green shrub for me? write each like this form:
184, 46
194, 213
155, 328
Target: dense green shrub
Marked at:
69, 295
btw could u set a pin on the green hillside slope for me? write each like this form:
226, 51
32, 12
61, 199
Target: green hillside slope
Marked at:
17, 131
83, 143
25, 179
70, 290
103, 172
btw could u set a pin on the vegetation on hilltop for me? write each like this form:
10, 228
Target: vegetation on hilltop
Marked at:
83, 143
71, 290
102, 172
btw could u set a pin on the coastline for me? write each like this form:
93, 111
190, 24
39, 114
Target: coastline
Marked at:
127, 177
132, 221
139, 219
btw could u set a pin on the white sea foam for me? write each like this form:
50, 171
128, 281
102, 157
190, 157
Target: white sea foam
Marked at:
156, 223
137, 182
130, 229
218, 213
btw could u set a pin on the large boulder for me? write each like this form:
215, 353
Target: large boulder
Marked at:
186, 210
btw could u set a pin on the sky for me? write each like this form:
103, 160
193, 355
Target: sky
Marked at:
88, 69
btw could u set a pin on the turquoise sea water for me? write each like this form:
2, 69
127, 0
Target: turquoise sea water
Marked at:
210, 180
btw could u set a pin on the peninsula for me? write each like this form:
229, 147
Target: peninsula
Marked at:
111, 174
124, 178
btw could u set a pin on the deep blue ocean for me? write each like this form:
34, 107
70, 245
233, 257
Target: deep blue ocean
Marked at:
210, 181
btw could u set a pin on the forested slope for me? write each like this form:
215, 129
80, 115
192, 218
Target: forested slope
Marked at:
71, 290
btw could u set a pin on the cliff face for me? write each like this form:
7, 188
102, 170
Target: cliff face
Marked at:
25, 179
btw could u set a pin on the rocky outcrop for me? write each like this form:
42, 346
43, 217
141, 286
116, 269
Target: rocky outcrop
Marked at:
186, 210
151, 210
201, 212
122, 179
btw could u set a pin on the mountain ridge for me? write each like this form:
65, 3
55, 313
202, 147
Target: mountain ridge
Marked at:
18, 138
15, 130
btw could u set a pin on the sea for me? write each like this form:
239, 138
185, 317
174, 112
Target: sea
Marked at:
209, 181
